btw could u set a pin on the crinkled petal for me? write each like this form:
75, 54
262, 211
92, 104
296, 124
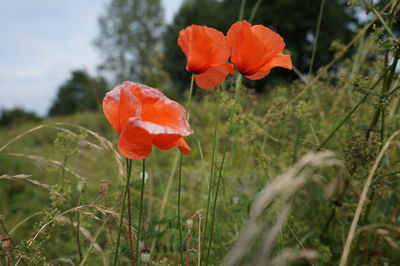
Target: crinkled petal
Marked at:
135, 142
214, 75
111, 108
203, 47
160, 114
166, 142
119, 105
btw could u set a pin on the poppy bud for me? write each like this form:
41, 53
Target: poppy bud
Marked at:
146, 176
80, 187
103, 186
189, 223
145, 255
6, 244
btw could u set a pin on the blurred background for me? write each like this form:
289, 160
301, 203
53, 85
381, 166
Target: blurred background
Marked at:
59, 58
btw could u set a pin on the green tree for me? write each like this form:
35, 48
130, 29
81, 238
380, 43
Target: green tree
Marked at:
129, 39
294, 20
80, 93
16, 116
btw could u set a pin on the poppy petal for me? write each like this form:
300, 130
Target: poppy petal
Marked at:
280, 60
161, 115
247, 50
271, 40
135, 142
183, 146
258, 75
214, 75
111, 108
203, 47
130, 106
166, 142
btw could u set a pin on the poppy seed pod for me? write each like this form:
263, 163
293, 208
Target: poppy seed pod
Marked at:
145, 255
6, 244
103, 186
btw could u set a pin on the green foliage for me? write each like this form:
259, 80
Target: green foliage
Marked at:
16, 116
80, 93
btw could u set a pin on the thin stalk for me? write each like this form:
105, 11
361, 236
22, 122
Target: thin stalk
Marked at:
241, 12
254, 10
121, 218
378, 15
236, 93
179, 210
129, 169
83, 262
212, 167
78, 225
321, 11
180, 173
352, 111
216, 198
140, 211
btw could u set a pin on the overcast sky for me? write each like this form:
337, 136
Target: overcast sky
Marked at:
42, 41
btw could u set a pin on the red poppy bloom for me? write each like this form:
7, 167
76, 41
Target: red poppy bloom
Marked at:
207, 51
144, 116
256, 50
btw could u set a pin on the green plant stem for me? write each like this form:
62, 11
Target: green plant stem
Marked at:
83, 262
180, 173
179, 210
227, 143
140, 211
130, 235
241, 12
216, 198
254, 10
321, 11
121, 218
210, 185
352, 111
78, 225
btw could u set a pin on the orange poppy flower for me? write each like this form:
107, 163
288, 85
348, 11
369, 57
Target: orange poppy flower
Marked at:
256, 50
144, 116
207, 51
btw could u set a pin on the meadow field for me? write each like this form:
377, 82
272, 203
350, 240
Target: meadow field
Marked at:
306, 172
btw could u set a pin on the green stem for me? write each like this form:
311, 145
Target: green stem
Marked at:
212, 168
130, 235
180, 174
321, 10
78, 225
140, 211
352, 111
216, 198
179, 210
254, 10
121, 218
83, 262
241, 12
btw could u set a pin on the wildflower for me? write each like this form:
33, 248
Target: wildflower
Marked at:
256, 50
144, 116
207, 51
145, 255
